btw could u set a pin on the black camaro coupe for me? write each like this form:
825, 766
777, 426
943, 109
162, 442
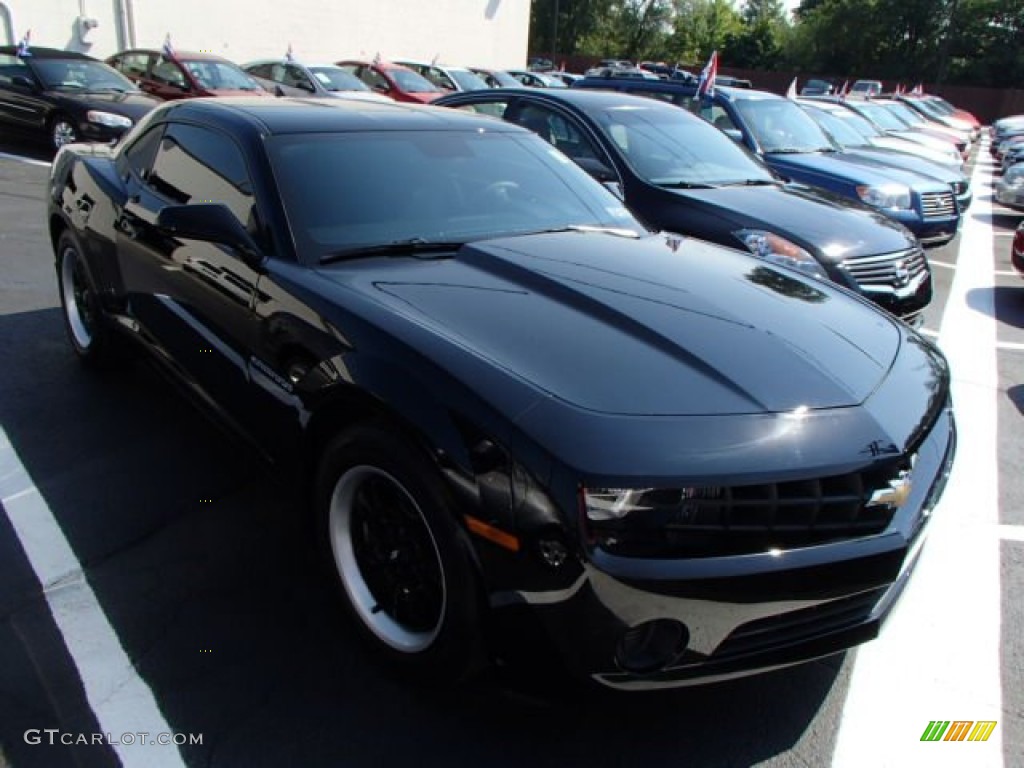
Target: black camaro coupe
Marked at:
507, 399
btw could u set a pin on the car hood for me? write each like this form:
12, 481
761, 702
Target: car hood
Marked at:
133, 105
884, 158
655, 326
830, 226
840, 166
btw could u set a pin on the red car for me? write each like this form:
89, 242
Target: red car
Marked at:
185, 74
394, 80
1017, 250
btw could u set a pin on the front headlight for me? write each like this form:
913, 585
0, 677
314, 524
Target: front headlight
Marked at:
893, 196
1014, 177
772, 247
108, 119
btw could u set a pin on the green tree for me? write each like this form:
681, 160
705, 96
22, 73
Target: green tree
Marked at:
700, 27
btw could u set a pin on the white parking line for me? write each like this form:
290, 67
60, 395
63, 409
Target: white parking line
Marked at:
119, 698
1011, 532
939, 655
27, 160
945, 264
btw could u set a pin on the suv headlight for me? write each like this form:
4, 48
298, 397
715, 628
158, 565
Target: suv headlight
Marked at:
771, 247
108, 119
894, 196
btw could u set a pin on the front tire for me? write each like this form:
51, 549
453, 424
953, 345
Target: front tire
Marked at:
400, 560
62, 131
91, 339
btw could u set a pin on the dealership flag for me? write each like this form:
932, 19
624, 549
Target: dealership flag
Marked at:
791, 91
706, 84
168, 48
918, 90
843, 90
23, 44
288, 55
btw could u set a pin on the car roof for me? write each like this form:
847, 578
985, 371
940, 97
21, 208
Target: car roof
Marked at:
580, 98
287, 115
46, 53
178, 54
385, 65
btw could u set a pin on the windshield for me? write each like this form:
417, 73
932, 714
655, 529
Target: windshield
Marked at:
504, 79
842, 133
780, 125
908, 115
672, 147
856, 122
344, 191
337, 79
412, 82
468, 81
927, 107
882, 116
80, 75
220, 75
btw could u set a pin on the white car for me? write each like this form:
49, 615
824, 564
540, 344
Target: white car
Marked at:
449, 78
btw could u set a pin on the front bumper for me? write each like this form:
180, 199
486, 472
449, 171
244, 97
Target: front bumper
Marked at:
742, 614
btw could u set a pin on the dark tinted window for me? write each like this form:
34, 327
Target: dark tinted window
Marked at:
351, 190
261, 70
200, 165
167, 72
140, 154
10, 66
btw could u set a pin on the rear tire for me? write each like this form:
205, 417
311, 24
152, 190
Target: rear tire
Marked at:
399, 559
93, 341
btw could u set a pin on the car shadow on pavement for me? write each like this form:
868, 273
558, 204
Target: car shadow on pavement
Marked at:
1006, 300
1006, 220
202, 564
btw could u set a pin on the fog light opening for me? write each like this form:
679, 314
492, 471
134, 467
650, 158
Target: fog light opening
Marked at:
651, 646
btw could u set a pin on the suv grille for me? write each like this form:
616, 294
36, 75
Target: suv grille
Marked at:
732, 520
896, 269
938, 205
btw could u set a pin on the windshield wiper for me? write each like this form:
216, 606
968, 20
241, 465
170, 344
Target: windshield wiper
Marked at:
683, 185
107, 89
750, 183
414, 246
788, 151
617, 231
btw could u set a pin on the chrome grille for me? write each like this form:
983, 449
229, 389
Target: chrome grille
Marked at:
895, 269
938, 205
732, 520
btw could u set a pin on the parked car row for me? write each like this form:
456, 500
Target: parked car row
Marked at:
527, 425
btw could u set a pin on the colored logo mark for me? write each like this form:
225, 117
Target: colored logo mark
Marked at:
958, 730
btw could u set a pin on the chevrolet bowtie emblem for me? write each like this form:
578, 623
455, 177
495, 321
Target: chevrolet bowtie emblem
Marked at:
895, 495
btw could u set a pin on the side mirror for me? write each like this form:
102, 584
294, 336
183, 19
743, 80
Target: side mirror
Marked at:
278, 91
23, 81
305, 86
211, 223
381, 88
734, 133
597, 169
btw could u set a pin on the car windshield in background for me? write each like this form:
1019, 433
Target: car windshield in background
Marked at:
906, 114
856, 122
337, 79
781, 126
669, 149
468, 81
413, 82
840, 130
81, 75
220, 75
346, 191
882, 117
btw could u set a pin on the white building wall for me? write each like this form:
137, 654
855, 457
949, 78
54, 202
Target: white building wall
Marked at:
471, 32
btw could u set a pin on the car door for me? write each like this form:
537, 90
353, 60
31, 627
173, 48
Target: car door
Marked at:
21, 104
193, 299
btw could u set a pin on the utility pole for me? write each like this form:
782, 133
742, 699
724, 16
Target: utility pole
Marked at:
554, 36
